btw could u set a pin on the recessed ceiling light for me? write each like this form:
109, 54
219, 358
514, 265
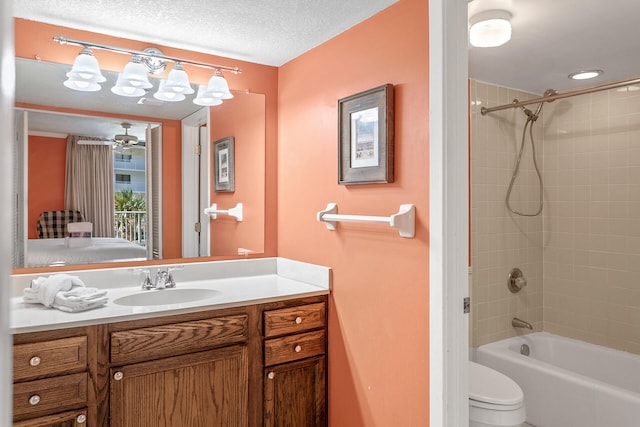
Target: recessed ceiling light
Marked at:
491, 28
583, 75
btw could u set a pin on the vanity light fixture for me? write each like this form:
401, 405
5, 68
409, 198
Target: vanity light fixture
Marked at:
133, 80
85, 75
491, 28
584, 75
205, 98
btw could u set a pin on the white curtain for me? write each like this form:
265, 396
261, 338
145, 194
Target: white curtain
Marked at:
89, 184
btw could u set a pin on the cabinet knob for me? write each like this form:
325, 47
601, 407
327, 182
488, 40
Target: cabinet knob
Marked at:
34, 400
298, 320
271, 375
81, 419
34, 361
297, 348
118, 376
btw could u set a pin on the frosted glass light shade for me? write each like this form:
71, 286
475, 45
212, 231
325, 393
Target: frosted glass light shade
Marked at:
134, 74
168, 95
204, 98
218, 87
178, 81
490, 29
85, 73
123, 89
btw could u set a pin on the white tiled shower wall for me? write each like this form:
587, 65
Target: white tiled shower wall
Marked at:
500, 240
582, 257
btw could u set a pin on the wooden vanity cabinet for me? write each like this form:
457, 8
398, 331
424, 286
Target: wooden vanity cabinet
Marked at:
53, 379
295, 366
186, 374
254, 365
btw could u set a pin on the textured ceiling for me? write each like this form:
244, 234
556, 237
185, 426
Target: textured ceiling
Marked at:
269, 32
553, 38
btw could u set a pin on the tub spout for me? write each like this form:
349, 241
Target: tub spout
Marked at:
519, 323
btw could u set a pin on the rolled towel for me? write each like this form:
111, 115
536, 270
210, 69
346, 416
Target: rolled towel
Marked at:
43, 290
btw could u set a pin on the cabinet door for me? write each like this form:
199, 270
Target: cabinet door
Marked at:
202, 389
294, 394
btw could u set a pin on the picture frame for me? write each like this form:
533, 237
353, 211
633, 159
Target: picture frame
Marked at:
224, 165
366, 137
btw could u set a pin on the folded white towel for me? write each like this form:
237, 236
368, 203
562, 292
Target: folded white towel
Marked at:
44, 289
64, 292
80, 299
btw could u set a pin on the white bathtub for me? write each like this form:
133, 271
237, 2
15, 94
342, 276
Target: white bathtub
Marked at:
569, 383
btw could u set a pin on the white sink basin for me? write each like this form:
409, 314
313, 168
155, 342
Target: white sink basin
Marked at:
166, 297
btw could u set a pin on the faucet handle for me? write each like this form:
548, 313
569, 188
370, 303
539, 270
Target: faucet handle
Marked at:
146, 281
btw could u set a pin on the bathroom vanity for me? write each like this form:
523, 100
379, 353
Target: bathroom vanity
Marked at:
256, 358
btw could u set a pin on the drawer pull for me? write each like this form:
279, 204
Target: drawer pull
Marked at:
81, 419
34, 400
298, 320
34, 361
118, 376
297, 348
271, 375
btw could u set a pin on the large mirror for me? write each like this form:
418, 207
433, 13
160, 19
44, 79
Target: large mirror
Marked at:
50, 112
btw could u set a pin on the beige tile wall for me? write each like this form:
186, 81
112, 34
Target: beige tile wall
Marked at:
592, 219
586, 246
501, 240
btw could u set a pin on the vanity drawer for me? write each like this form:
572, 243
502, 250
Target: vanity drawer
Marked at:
49, 395
293, 347
77, 418
294, 319
48, 358
174, 339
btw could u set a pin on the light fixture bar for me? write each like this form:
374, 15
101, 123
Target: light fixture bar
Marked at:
73, 42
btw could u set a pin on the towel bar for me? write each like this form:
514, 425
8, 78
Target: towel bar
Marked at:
235, 212
404, 220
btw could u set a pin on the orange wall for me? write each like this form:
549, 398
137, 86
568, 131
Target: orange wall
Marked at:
378, 316
244, 120
47, 159
35, 39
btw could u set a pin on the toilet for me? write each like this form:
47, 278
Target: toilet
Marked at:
494, 399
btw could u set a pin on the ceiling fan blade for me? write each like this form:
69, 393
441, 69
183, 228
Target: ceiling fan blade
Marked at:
95, 142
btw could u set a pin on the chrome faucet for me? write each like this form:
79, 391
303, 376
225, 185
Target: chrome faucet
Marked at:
519, 323
164, 279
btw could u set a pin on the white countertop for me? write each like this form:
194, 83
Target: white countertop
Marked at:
242, 282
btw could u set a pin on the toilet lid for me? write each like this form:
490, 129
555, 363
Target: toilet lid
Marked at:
490, 386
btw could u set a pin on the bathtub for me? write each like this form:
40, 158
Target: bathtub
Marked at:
569, 383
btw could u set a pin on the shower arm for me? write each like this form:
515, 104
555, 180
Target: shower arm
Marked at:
551, 94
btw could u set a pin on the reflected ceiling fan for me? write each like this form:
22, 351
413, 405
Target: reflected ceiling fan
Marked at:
120, 142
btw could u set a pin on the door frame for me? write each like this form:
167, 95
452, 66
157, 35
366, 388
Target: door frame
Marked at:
192, 135
449, 213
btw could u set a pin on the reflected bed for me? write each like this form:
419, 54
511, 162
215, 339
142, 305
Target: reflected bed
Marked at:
50, 252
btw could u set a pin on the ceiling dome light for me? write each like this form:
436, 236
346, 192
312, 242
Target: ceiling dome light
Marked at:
584, 75
490, 29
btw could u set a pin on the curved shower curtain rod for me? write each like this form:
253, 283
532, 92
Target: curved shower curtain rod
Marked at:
552, 94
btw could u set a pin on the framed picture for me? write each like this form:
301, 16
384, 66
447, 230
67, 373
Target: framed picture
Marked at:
223, 165
365, 140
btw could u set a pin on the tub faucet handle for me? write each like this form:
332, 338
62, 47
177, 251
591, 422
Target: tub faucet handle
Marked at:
516, 280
